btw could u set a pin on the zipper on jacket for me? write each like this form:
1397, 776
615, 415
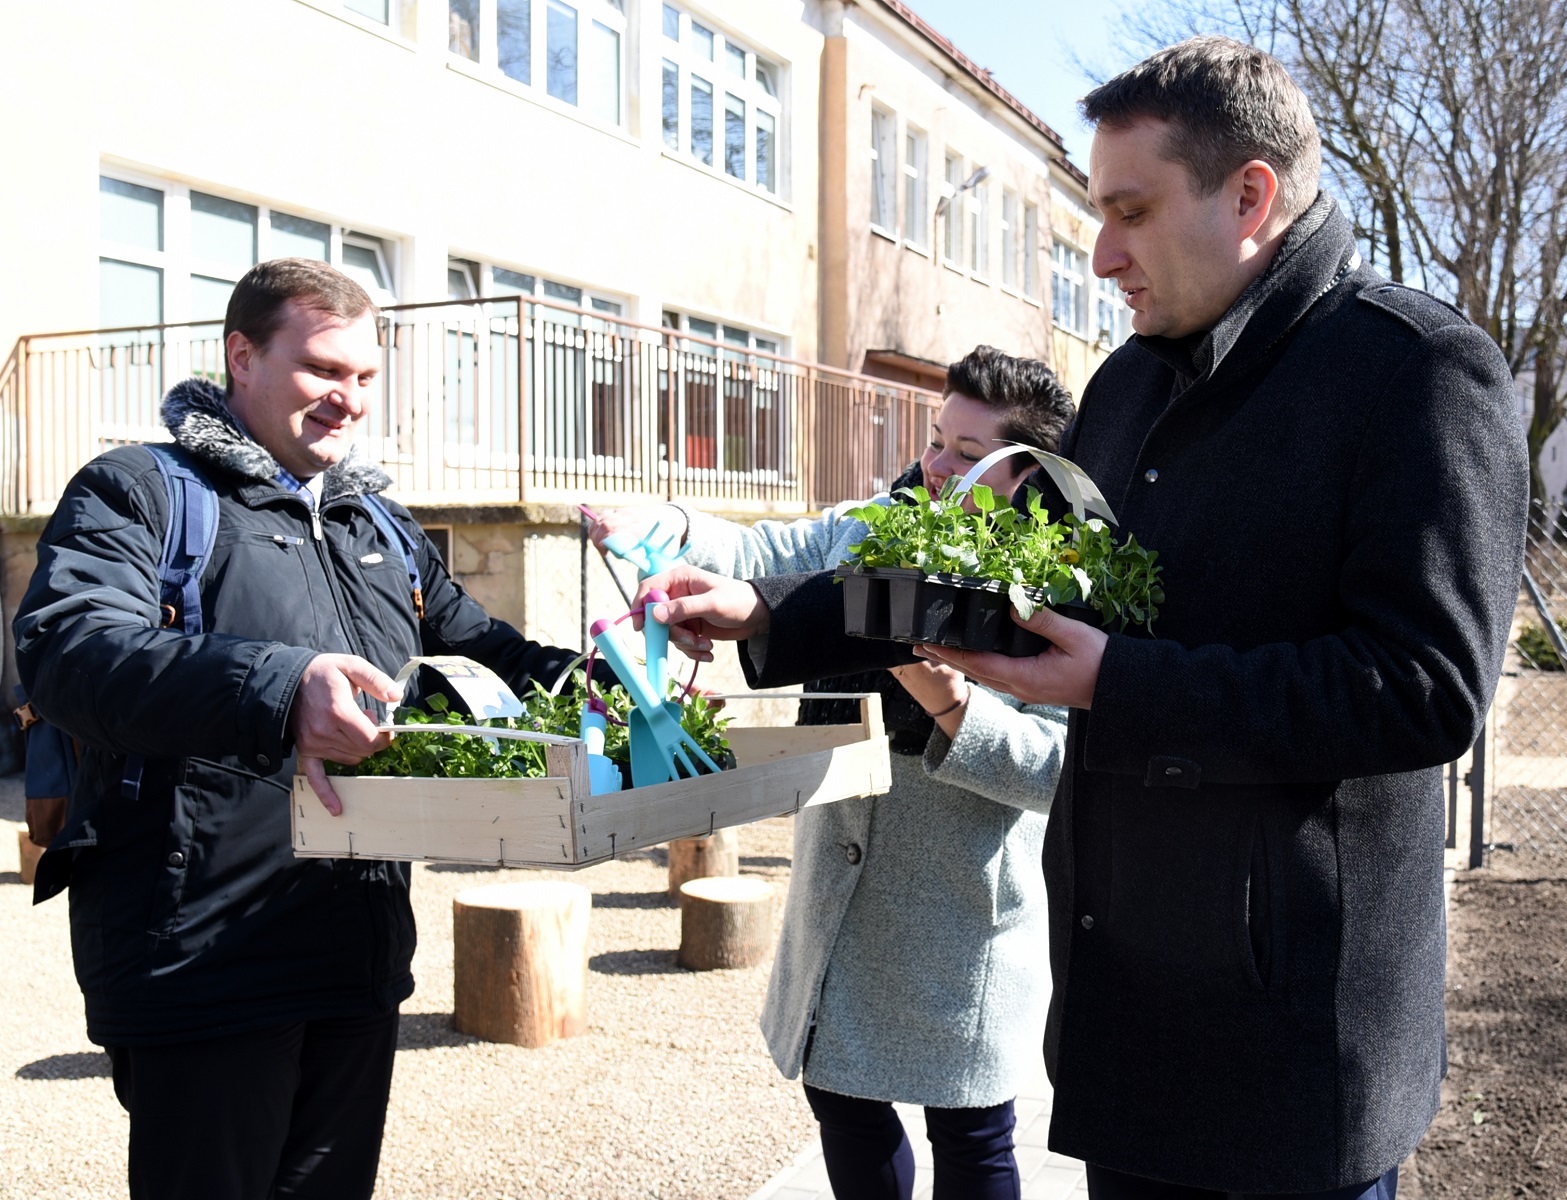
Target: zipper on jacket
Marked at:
315, 521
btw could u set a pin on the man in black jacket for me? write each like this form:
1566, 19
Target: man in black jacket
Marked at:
1244, 860
248, 1000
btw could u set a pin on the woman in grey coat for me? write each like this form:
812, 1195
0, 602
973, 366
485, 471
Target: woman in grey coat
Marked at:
910, 964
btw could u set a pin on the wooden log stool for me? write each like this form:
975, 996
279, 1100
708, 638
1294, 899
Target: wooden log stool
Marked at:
520, 961
27, 856
715, 854
725, 922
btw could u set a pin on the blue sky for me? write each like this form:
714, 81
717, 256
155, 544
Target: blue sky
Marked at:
1028, 46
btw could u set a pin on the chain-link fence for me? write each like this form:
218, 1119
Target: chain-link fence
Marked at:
1526, 778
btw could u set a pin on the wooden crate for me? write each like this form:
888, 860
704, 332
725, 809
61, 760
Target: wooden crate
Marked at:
555, 822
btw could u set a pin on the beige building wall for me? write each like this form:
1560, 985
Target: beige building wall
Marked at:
898, 289
304, 106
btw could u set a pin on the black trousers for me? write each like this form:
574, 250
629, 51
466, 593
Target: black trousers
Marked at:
868, 1156
294, 1111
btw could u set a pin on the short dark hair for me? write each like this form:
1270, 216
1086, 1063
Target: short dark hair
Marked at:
256, 306
1033, 406
1226, 103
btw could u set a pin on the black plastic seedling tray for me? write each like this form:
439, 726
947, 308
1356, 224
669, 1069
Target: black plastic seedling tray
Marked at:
901, 604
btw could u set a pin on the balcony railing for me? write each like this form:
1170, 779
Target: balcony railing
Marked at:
503, 401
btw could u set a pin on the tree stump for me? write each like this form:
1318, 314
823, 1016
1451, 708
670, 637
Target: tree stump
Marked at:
725, 922
716, 854
520, 961
27, 856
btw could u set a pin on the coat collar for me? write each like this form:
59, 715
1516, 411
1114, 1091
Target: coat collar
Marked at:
1318, 250
197, 414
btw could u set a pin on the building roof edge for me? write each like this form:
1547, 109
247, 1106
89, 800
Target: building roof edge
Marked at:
971, 68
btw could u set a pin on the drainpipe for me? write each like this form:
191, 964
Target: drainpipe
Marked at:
833, 206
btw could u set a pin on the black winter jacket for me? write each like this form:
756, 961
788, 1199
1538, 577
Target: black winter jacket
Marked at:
1244, 859
190, 916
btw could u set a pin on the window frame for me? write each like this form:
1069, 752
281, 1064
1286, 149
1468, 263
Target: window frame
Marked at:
1009, 239
1031, 251
884, 171
1075, 279
915, 177
977, 206
688, 62
177, 261
1107, 294
955, 219
485, 63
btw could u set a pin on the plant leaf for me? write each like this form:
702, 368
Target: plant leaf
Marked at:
1021, 601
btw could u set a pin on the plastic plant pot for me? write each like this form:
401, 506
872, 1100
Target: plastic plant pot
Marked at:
901, 604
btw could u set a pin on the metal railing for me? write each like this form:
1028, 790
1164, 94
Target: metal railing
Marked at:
503, 401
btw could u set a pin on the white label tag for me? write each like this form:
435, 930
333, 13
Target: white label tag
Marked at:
482, 690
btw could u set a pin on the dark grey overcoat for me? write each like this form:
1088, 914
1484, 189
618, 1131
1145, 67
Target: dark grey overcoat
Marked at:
1244, 861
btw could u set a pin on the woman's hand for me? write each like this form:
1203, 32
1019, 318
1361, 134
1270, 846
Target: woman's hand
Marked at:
942, 692
631, 525
703, 607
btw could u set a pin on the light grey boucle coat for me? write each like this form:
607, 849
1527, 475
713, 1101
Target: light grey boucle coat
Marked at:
912, 964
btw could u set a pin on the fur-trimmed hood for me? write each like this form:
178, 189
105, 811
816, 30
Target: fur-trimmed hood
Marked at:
197, 414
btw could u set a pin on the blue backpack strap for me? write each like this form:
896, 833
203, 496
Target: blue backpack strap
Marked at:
187, 546
188, 538
404, 541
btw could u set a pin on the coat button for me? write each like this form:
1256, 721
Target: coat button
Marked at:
1151, 474
852, 853
176, 859
1087, 922
263, 761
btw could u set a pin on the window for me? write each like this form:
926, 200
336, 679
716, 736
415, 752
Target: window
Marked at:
572, 50
1113, 319
719, 100
732, 335
461, 279
171, 253
914, 172
1009, 237
884, 165
952, 243
376, 10
1066, 288
979, 239
1031, 250
722, 402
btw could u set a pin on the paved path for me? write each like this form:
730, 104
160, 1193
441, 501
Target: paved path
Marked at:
1046, 1176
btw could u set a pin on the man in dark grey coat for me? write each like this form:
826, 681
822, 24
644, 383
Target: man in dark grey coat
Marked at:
1244, 860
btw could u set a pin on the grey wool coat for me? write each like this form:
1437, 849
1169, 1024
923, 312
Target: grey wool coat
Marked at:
909, 964
1244, 858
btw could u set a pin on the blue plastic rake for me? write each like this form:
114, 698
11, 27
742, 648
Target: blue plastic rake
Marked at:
658, 741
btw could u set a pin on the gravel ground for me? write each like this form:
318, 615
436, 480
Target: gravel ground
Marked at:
670, 1093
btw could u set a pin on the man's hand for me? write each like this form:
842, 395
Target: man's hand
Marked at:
327, 722
634, 524
704, 607
1065, 674
45, 818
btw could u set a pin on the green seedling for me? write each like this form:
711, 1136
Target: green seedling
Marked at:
1065, 560
472, 756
